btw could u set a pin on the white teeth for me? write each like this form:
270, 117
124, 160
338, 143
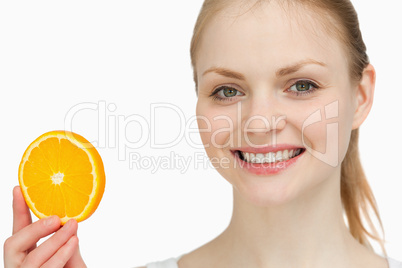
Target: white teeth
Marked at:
291, 154
278, 156
270, 157
259, 158
285, 155
246, 156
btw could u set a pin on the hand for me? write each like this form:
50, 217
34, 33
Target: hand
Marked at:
60, 250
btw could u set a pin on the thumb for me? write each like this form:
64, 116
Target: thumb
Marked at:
21, 214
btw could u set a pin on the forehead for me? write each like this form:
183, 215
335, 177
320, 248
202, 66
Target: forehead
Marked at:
268, 35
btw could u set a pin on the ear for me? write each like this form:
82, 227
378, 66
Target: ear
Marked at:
364, 96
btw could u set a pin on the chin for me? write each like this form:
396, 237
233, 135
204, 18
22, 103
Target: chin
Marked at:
266, 192
287, 188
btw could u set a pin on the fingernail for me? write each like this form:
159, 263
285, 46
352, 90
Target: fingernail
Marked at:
49, 221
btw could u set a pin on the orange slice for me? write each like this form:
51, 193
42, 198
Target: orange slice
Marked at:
62, 174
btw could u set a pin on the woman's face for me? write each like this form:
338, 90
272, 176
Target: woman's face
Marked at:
272, 84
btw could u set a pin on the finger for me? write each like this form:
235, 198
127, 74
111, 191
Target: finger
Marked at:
76, 260
21, 214
28, 236
48, 248
60, 258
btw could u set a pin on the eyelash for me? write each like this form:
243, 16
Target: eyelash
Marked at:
304, 93
315, 87
215, 96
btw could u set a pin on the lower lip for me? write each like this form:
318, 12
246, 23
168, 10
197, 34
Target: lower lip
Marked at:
266, 168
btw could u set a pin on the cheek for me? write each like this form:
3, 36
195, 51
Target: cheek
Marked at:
325, 129
216, 125
346, 115
204, 117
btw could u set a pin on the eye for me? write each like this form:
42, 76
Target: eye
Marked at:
303, 87
225, 93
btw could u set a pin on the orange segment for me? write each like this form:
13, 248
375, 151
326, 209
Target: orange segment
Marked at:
62, 174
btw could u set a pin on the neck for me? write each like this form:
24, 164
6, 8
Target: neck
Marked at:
306, 232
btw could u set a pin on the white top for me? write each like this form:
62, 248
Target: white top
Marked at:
168, 263
394, 264
172, 263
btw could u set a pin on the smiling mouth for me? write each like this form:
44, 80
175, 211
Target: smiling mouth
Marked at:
271, 157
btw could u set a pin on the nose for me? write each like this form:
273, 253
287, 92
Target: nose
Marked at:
263, 116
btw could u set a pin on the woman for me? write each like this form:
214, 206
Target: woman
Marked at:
282, 87
289, 78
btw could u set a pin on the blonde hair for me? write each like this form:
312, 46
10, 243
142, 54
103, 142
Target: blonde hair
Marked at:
339, 18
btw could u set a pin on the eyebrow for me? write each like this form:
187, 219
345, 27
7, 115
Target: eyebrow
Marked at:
279, 73
295, 67
225, 72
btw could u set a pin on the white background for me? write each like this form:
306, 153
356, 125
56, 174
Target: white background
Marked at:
129, 54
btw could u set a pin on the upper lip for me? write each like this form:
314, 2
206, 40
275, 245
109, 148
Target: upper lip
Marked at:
267, 148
